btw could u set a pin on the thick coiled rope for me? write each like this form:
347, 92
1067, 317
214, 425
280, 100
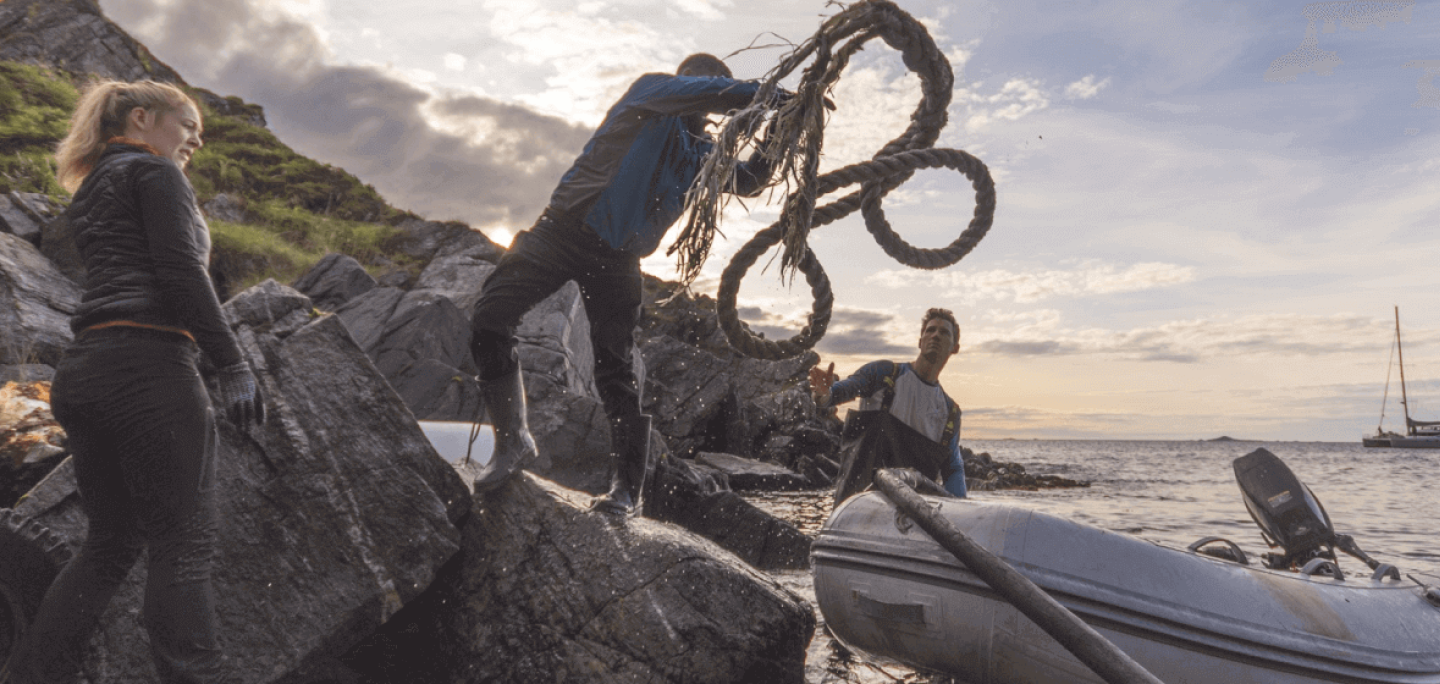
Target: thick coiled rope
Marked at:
794, 141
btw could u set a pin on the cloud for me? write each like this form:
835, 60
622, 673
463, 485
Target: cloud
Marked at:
1087, 279
1019, 97
1356, 15
1197, 340
1085, 88
446, 155
1429, 92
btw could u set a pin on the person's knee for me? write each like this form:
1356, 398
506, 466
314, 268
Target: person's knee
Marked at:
493, 352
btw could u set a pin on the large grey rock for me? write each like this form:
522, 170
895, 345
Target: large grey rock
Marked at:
436, 391
458, 277
226, 207
73, 35
424, 325
26, 372
553, 337
551, 592
698, 498
365, 316
334, 514
427, 240
334, 280
748, 474
572, 435
17, 222
36, 301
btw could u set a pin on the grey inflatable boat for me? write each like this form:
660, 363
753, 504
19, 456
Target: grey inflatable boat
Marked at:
1208, 614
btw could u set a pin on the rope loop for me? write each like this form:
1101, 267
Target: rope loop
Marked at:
793, 143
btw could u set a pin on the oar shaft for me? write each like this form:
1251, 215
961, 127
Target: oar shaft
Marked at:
1095, 651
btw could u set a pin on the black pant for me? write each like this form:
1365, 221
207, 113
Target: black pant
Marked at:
539, 262
142, 436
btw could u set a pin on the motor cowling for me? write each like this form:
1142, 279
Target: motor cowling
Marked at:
1289, 515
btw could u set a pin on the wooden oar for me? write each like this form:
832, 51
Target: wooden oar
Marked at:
1094, 650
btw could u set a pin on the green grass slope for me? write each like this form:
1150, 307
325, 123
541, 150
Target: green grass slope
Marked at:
296, 209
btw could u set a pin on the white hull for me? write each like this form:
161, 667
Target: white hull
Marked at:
1187, 618
1415, 442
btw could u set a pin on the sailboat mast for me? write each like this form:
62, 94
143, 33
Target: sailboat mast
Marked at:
1404, 400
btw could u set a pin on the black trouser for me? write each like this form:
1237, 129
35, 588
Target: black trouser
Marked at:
142, 436
539, 262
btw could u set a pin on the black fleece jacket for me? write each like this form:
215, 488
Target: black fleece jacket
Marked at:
146, 250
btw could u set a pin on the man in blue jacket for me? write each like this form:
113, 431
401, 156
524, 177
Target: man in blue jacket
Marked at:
909, 394
610, 209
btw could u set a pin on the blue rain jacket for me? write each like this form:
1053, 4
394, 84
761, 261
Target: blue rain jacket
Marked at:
629, 182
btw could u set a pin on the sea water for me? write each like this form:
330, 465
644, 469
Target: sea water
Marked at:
1175, 493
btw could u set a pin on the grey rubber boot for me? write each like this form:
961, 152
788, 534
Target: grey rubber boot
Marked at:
630, 468
514, 446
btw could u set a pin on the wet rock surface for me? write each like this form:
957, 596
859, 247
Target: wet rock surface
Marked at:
333, 515
549, 591
36, 301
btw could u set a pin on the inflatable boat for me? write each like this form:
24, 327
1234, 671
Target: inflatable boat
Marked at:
1206, 614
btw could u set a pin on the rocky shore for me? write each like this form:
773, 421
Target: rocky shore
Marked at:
351, 551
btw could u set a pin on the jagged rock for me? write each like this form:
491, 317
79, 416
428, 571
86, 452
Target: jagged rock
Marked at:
750, 475
17, 222
436, 391
365, 316
36, 301
432, 323
459, 278
231, 105
333, 515
551, 592
73, 35
427, 240
424, 325
983, 473
572, 435
26, 372
270, 307
729, 404
334, 280
554, 340
699, 499
37, 205
225, 207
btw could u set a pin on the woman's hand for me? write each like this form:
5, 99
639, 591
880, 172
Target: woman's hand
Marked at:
240, 396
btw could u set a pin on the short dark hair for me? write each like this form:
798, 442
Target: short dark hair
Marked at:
703, 64
943, 314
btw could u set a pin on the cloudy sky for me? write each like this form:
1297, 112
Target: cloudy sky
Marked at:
1206, 210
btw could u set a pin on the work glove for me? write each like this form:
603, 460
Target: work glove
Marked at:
240, 395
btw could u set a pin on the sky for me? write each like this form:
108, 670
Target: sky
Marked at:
1207, 211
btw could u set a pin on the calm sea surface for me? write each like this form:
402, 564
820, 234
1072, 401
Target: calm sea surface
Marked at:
1175, 493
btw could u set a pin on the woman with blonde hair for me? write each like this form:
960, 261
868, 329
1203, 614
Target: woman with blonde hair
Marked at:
128, 391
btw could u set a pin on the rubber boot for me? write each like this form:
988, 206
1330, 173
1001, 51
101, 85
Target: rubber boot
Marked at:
630, 468
514, 446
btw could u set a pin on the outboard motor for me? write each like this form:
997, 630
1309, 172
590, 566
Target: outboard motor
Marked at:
1289, 515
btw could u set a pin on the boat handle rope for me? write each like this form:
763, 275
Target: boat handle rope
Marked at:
798, 127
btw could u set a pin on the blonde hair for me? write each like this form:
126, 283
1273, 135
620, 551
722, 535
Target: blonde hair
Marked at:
100, 115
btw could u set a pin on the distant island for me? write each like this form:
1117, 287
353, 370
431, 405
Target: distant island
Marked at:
1224, 438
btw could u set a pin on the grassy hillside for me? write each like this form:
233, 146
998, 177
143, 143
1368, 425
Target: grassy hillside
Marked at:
296, 208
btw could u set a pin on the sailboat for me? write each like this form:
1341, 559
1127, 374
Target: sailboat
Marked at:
1419, 434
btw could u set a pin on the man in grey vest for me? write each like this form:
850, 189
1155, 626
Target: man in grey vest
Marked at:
906, 420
